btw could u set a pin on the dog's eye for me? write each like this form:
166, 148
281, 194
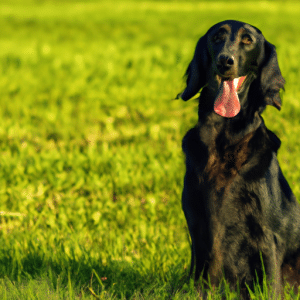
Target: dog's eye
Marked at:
219, 37
246, 39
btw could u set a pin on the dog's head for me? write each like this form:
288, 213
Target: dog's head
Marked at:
229, 54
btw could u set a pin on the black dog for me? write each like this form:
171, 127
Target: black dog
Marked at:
239, 207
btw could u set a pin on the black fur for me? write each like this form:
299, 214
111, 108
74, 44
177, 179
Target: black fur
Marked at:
238, 205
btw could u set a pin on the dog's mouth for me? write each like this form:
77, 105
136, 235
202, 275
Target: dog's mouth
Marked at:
227, 103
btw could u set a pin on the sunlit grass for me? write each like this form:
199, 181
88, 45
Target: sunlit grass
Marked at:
91, 163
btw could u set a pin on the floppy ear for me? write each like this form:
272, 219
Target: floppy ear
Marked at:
196, 71
271, 78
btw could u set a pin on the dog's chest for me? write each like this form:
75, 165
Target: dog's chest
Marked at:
224, 162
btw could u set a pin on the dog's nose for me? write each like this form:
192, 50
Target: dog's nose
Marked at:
226, 61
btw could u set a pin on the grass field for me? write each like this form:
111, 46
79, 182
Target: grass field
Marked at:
91, 167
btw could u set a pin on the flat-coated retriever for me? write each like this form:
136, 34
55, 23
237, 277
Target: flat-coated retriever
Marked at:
239, 207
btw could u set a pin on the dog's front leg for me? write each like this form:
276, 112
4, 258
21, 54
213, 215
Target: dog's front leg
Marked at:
272, 265
195, 215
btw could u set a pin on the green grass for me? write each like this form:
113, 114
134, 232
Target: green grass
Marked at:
91, 167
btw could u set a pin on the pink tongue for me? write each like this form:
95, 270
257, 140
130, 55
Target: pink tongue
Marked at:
227, 103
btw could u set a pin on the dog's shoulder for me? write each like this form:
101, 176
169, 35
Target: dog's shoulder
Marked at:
264, 141
191, 140
274, 140
261, 148
196, 152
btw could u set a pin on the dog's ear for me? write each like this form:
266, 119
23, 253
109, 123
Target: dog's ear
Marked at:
271, 79
196, 71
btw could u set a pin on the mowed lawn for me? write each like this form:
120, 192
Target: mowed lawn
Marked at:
91, 167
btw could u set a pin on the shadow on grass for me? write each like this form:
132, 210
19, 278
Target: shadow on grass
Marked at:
79, 279
112, 280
